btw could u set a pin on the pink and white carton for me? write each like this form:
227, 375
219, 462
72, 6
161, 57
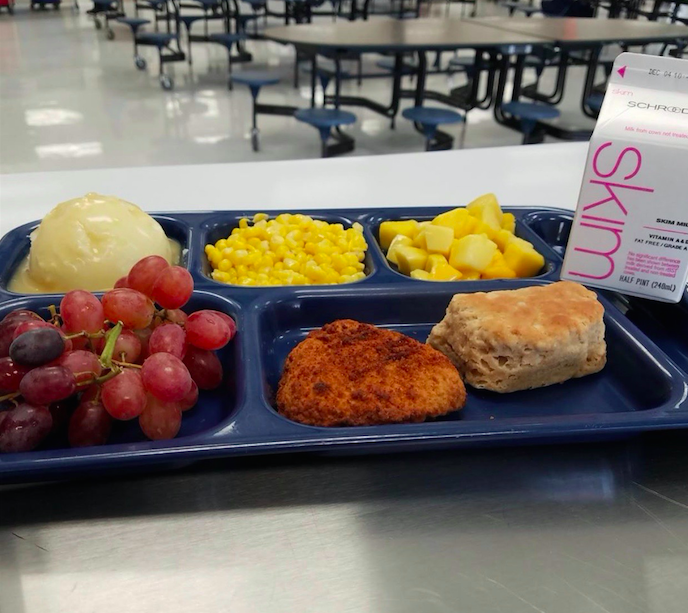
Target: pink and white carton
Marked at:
630, 232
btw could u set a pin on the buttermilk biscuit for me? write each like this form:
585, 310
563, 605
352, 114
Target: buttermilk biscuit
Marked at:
353, 374
525, 338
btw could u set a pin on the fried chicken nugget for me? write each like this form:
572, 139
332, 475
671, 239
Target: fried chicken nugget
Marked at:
353, 374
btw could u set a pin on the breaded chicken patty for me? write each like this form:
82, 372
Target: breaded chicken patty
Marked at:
353, 374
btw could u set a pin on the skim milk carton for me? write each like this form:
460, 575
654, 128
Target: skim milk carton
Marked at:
630, 231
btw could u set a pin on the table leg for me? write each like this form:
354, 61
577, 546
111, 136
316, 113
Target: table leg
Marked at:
420, 78
590, 80
314, 68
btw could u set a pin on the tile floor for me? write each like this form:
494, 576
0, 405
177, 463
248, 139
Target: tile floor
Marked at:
71, 99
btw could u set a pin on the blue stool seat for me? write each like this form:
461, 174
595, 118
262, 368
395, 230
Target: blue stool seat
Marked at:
325, 118
255, 79
133, 22
188, 20
530, 110
595, 102
156, 39
225, 38
388, 64
431, 116
207, 4
462, 63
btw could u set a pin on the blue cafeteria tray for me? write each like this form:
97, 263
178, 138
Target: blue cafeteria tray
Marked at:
643, 387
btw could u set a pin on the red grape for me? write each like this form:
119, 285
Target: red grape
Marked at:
176, 316
166, 377
204, 367
124, 396
90, 425
145, 273
190, 399
226, 318
37, 347
47, 384
144, 336
207, 330
84, 364
173, 287
121, 282
81, 311
24, 428
132, 308
9, 325
3, 414
160, 420
30, 324
127, 343
168, 338
11, 375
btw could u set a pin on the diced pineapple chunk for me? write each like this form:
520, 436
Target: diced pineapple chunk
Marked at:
502, 238
410, 258
389, 229
522, 258
459, 220
397, 241
438, 239
473, 252
419, 240
509, 222
440, 269
483, 228
470, 275
486, 208
421, 274
498, 268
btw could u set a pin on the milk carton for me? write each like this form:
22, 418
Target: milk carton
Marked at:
630, 232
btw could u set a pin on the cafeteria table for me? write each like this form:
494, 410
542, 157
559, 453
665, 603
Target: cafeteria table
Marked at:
485, 35
397, 37
568, 528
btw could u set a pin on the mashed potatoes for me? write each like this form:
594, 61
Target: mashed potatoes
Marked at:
89, 243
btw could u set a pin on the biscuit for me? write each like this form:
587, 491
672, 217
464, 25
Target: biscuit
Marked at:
512, 340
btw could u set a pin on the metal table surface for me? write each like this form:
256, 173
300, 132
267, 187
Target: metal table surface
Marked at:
584, 31
398, 35
571, 528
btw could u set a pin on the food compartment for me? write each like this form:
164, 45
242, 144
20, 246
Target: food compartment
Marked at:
215, 408
221, 226
666, 324
553, 227
634, 379
374, 221
15, 245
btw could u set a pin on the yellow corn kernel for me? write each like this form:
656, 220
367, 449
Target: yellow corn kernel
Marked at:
243, 223
221, 244
225, 265
260, 217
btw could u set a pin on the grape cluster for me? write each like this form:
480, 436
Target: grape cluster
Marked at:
116, 358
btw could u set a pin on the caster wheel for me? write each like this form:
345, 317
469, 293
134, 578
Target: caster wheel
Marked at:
140, 62
110, 35
254, 140
166, 82
99, 26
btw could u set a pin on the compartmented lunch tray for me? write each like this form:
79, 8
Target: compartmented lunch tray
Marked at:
643, 387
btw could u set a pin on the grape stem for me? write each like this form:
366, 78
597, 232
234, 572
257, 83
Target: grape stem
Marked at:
126, 364
11, 396
110, 340
84, 334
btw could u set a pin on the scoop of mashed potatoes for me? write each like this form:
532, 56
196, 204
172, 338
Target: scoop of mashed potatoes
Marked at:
89, 243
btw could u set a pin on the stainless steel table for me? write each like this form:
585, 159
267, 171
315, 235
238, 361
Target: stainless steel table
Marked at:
562, 529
